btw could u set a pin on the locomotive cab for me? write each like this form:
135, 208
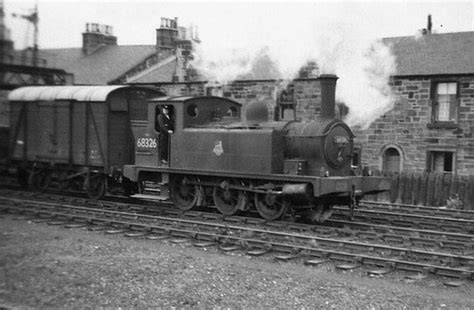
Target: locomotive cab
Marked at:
186, 113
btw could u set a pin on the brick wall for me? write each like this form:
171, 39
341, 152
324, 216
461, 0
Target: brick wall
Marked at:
406, 128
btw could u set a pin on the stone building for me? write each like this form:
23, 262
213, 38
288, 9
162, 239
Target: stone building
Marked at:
431, 125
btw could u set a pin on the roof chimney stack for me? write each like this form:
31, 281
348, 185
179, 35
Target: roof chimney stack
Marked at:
96, 36
430, 25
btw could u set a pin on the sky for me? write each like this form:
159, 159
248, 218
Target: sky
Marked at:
233, 23
341, 35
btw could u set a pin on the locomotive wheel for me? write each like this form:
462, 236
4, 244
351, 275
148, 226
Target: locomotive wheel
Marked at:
228, 201
185, 192
41, 180
270, 206
97, 186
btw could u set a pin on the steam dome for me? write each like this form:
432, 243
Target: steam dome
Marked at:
256, 113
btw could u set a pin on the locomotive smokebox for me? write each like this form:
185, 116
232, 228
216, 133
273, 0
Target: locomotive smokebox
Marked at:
328, 95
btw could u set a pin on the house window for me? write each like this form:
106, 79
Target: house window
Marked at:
391, 160
286, 104
445, 102
441, 161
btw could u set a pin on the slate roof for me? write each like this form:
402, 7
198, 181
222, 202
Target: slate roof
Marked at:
100, 67
431, 54
164, 74
434, 54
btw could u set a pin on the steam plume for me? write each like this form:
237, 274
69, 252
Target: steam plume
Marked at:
362, 63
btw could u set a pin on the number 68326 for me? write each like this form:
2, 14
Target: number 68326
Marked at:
146, 143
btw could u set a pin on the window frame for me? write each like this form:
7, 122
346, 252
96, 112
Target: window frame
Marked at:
435, 122
430, 153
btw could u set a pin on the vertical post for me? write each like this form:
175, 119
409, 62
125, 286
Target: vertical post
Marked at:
87, 135
71, 128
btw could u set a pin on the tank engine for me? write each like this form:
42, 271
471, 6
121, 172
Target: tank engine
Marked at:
215, 157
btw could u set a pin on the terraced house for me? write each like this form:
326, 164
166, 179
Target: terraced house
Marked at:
431, 125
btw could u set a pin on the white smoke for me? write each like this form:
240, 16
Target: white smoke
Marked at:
361, 61
364, 65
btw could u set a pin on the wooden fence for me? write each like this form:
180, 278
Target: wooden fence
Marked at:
430, 189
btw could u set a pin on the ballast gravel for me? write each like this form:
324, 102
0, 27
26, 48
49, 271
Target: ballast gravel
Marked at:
45, 266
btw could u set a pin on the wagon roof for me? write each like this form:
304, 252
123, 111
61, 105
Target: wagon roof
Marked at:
190, 98
51, 93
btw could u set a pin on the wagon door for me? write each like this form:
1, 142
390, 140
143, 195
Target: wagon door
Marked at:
120, 136
54, 130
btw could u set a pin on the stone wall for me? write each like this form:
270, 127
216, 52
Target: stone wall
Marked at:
182, 89
407, 128
307, 93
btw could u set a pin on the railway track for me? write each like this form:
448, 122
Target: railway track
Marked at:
440, 239
419, 218
416, 209
310, 244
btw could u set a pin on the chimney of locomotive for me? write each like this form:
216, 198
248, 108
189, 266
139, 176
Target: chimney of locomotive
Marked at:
328, 95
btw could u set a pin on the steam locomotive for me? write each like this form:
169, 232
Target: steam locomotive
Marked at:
100, 138
273, 166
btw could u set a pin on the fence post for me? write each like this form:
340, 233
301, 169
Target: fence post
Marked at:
463, 187
415, 192
446, 183
438, 190
430, 189
423, 189
394, 187
469, 199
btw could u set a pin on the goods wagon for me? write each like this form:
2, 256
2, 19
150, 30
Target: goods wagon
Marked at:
76, 137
